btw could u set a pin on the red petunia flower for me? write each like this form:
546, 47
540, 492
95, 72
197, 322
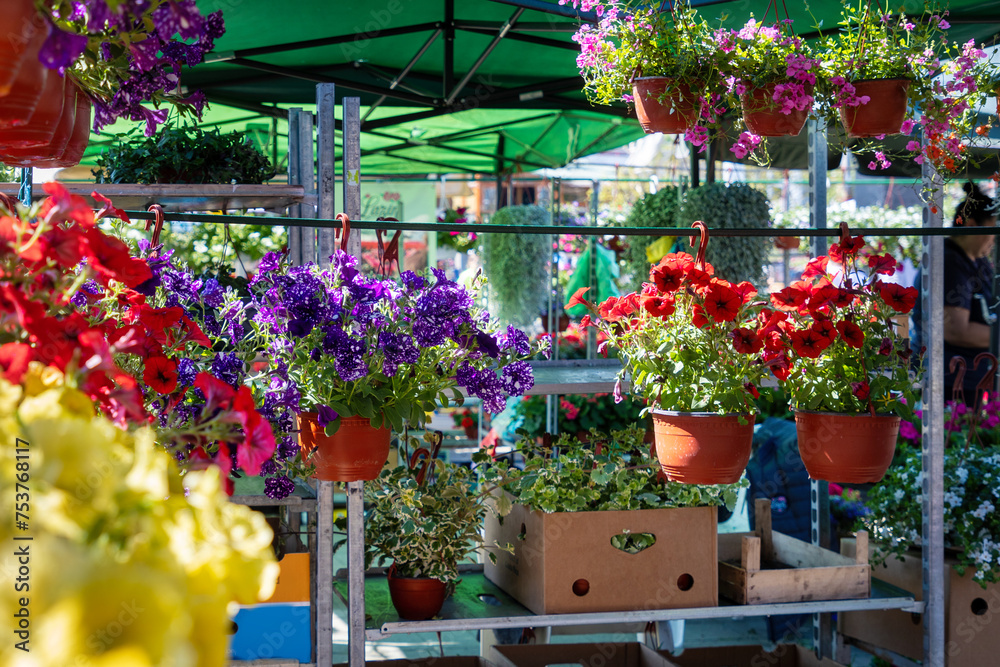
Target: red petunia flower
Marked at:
746, 290
885, 347
861, 390
258, 444
883, 264
160, 374
816, 268
851, 334
752, 388
722, 302
747, 341
158, 320
195, 334
899, 298
658, 306
669, 274
110, 259
607, 309
108, 208
14, 359
808, 343
779, 364
826, 330
841, 251
217, 393
789, 298
577, 298
698, 316
699, 277
61, 206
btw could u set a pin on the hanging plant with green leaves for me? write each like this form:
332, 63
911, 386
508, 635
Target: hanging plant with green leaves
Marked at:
517, 266
731, 206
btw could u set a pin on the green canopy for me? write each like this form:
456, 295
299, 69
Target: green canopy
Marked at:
487, 86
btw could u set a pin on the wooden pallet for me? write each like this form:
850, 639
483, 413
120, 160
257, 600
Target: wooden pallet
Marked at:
775, 568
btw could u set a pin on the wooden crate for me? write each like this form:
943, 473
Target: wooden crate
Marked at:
767, 567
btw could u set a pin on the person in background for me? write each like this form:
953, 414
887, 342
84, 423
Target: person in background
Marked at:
969, 304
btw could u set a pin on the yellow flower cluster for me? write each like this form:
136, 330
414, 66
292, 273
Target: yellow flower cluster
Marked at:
129, 563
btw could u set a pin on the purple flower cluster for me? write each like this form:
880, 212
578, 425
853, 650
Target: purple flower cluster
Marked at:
146, 63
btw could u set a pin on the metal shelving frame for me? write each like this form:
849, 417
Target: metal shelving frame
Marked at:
310, 238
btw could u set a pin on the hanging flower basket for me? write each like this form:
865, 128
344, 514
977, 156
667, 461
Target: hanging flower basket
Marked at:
883, 114
416, 599
846, 448
764, 117
702, 447
39, 131
356, 452
674, 115
19, 22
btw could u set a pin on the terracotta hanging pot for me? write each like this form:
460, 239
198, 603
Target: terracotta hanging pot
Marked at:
846, 448
27, 157
19, 23
39, 131
763, 116
702, 447
356, 452
672, 116
786, 242
17, 106
472, 432
416, 599
883, 114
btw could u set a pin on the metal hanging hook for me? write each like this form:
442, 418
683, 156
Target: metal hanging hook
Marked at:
702, 244
957, 366
157, 224
986, 384
845, 234
387, 254
344, 232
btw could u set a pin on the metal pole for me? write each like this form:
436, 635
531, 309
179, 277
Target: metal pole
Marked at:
933, 424
326, 121
324, 573
27, 186
592, 244
352, 168
294, 176
355, 574
817, 183
307, 176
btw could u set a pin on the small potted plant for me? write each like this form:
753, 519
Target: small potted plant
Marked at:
363, 356
665, 62
424, 523
844, 364
458, 241
772, 75
468, 421
690, 344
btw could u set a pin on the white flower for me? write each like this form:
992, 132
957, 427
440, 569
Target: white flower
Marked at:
953, 499
962, 474
898, 496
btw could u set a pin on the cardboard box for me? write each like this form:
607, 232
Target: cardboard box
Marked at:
971, 639
766, 567
565, 562
293, 579
454, 661
785, 655
590, 655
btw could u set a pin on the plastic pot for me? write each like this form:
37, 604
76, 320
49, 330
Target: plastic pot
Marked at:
416, 599
356, 452
846, 448
883, 114
19, 25
764, 118
702, 447
18, 105
672, 116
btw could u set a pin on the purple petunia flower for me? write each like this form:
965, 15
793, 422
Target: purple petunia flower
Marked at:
229, 368
278, 487
515, 339
517, 378
187, 371
212, 294
412, 281
61, 49
326, 415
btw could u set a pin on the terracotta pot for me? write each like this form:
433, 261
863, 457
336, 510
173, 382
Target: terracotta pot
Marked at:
17, 106
471, 432
19, 23
764, 118
673, 116
883, 114
702, 447
846, 448
356, 452
786, 242
28, 157
416, 599
562, 323
38, 133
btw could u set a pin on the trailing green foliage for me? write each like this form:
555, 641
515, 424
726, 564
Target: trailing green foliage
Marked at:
517, 266
623, 476
657, 209
733, 206
184, 155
